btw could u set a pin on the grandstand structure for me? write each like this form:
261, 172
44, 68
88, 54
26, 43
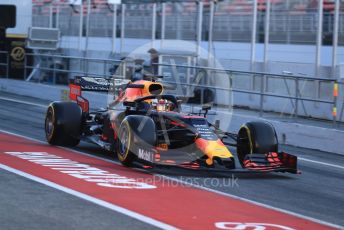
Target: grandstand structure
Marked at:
243, 35
292, 21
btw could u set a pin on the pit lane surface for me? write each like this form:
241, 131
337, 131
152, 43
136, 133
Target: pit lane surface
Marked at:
26, 204
316, 193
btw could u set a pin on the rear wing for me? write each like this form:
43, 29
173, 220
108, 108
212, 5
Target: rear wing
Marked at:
94, 84
98, 84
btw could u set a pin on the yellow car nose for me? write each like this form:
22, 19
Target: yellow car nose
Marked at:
213, 149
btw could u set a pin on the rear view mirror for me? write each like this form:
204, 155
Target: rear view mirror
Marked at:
206, 107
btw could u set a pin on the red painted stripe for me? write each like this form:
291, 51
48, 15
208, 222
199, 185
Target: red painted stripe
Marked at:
177, 205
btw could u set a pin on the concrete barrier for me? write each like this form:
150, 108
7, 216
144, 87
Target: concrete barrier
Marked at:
290, 133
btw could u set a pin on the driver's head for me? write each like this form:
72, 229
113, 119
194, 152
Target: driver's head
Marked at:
162, 105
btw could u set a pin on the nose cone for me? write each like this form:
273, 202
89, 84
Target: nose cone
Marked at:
213, 149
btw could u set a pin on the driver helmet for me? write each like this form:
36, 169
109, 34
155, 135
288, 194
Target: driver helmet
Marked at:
162, 105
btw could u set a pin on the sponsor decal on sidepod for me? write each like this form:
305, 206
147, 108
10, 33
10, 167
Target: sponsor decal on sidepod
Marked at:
145, 155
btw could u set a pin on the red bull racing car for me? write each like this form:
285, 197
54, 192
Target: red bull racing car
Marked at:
146, 126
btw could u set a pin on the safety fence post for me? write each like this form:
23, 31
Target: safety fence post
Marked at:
335, 98
25, 66
267, 32
297, 95
51, 14
87, 27
163, 22
87, 67
122, 28
335, 36
153, 24
211, 32
54, 73
81, 24
342, 109
199, 28
254, 32
7, 65
114, 28
262, 89
104, 70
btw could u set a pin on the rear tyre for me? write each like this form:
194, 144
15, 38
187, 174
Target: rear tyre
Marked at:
256, 137
63, 124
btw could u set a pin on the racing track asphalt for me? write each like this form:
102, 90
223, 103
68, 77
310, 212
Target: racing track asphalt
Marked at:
316, 193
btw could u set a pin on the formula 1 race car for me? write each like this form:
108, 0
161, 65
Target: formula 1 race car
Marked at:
146, 126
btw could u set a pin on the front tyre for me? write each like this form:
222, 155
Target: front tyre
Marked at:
256, 138
135, 132
125, 156
63, 124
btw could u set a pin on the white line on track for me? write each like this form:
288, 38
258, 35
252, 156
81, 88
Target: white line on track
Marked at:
102, 203
23, 102
199, 187
320, 163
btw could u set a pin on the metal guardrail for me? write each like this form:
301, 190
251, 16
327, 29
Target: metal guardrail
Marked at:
83, 64
6, 64
297, 99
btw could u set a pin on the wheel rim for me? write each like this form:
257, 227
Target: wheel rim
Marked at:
124, 141
49, 124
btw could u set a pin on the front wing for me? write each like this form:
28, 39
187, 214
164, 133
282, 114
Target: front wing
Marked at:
260, 163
